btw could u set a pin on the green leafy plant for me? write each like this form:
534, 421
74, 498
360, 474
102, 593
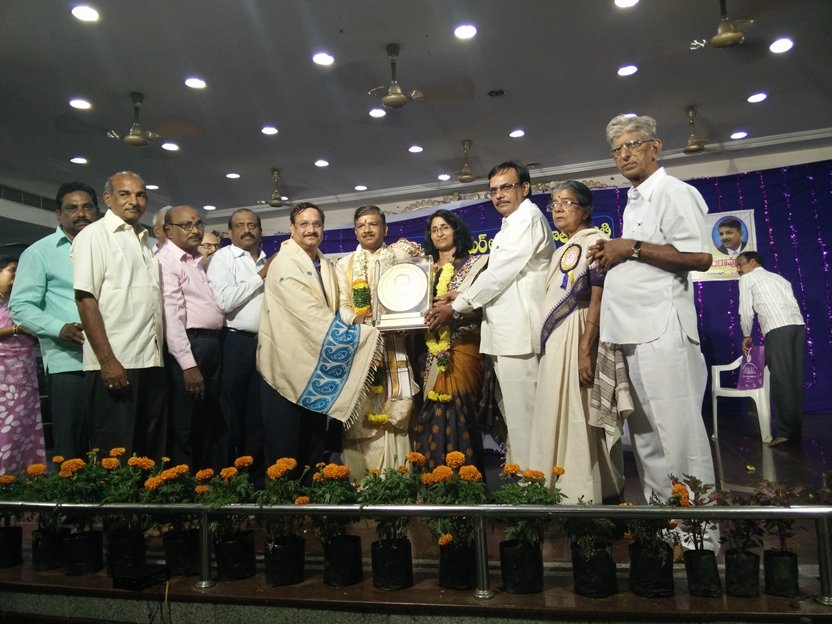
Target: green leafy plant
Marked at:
527, 487
740, 534
331, 485
231, 486
281, 489
393, 486
653, 534
122, 482
77, 481
694, 530
168, 486
590, 533
779, 494
11, 488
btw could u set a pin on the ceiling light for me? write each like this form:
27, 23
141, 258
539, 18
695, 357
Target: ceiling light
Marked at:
321, 163
757, 97
232, 176
152, 187
78, 160
630, 115
444, 177
415, 149
625, 4
739, 134
80, 104
284, 198
516, 134
171, 147
360, 187
85, 13
195, 83
209, 207
322, 58
627, 70
377, 112
268, 130
784, 44
465, 31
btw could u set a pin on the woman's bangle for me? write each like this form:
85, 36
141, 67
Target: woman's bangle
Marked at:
592, 323
15, 329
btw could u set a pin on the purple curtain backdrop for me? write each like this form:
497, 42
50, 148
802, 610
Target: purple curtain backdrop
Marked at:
793, 218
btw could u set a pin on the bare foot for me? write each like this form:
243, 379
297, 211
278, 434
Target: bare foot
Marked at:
778, 441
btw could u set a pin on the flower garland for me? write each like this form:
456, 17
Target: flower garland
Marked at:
375, 415
361, 294
439, 342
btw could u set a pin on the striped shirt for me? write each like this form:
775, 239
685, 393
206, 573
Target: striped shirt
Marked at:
770, 297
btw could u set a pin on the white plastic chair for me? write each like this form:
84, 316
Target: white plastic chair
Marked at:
760, 396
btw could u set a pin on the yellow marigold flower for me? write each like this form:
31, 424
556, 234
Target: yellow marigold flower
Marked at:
302, 500
152, 483
445, 539
470, 473
276, 471
228, 473
415, 458
558, 471
428, 479
442, 474
118, 451
454, 459
165, 460
360, 283
58, 459
202, 489
511, 469
290, 463
533, 475
376, 389
205, 474
243, 462
377, 419
36, 470
317, 477
110, 463
6, 479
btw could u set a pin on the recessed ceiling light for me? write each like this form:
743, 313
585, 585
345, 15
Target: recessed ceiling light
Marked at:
784, 44
630, 115
377, 112
195, 83
360, 187
516, 134
80, 104
321, 163
415, 149
627, 70
322, 58
152, 187
739, 134
171, 147
232, 176
625, 4
78, 160
465, 31
269, 130
284, 198
444, 177
757, 97
85, 13
209, 207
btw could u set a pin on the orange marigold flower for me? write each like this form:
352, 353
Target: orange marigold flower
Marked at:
110, 463
428, 478
454, 459
57, 459
118, 451
533, 475
205, 474
317, 477
558, 471
71, 466
470, 473
143, 463
445, 539
511, 469
36, 470
680, 491
442, 474
415, 458
6, 479
243, 462
302, 500
152, 483
276, 471
335, 471
202, 489
290, 463
402, 470
228, 473
672, 524
373, 471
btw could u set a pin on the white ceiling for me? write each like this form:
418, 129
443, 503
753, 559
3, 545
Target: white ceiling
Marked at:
556, 61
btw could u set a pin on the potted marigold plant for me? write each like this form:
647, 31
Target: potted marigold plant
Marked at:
48, 536
392, 557
651, 553
780, 563
11, 534
331, 485
521, 559
233, 546
454, 483
593, 567
285, 547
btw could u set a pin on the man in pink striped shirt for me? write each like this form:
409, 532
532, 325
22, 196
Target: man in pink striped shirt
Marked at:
193, 321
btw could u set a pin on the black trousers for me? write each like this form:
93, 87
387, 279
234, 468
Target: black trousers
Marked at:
68, 403
134, 418
193, 421
784, 349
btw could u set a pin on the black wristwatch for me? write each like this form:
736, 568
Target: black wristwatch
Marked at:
455, 315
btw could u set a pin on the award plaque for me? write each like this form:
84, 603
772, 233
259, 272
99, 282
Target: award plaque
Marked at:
404, 294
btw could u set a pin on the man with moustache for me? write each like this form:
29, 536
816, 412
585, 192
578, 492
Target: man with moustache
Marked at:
313, 364
43, 303
193, 321
730, 235
376, 445
508, 292
236, 275
116, 284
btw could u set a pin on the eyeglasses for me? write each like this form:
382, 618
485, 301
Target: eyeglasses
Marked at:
190, 227
437, 229
629, 147
505, 188
563, 203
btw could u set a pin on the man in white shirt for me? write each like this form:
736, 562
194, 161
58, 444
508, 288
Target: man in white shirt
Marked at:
770, 296
508, 291
648, 309
236, 275
116, 282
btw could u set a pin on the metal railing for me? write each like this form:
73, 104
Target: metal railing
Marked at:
820, 514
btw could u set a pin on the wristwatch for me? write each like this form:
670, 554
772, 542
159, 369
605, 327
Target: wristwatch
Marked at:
636, 253
455, 315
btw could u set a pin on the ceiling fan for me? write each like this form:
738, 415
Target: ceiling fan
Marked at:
729, 33
137, 136
393, 96
276, 200
465, 175
694, 145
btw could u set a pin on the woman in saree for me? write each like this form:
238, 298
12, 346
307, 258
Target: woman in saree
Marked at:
452, 383
561, 430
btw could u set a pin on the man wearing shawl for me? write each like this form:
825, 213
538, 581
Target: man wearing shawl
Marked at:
313, 364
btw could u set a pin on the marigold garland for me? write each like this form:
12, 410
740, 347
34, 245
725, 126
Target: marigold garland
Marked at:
439, 398
377, 419
361, 294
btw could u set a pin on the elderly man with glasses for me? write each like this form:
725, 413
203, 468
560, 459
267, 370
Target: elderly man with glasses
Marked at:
648, 308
